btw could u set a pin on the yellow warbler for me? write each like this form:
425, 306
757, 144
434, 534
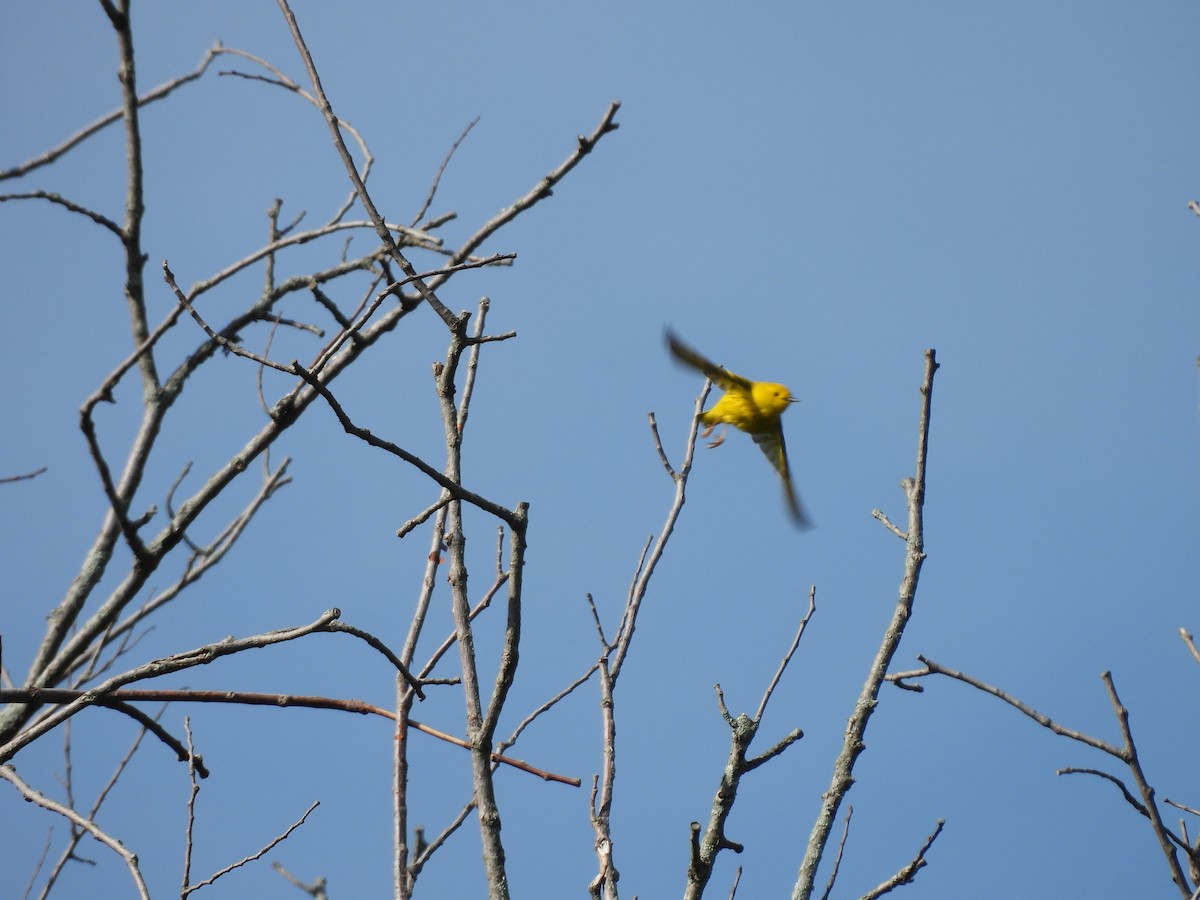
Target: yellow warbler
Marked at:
750, 406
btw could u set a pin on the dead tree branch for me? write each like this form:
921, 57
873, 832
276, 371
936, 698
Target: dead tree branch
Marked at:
843, 771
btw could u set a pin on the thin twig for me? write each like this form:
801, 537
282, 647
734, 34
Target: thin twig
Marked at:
266, 848
546, 707
837, 860
283, 81
437, 179
787, 657
935, 668
448, 643
422, 517
737, 879
1184, 807
443, 481
316, 890
321, 101
1120, 785
544, 188
434, 845
201, 562
37, 866
83, 134
376, 644
10, 775
9, 479
464, 405
637, 590
909, 872
100, 219
189, 840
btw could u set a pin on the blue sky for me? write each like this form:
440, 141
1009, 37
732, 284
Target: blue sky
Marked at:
812, 194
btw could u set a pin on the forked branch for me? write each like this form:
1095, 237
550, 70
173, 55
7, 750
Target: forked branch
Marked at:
1169, 842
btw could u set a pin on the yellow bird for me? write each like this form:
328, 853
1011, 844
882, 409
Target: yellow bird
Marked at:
750, 406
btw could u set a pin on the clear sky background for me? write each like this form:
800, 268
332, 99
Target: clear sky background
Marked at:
809, 193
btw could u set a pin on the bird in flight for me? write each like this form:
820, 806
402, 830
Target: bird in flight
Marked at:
750, 406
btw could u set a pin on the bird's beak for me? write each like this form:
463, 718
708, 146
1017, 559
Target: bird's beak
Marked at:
793, 399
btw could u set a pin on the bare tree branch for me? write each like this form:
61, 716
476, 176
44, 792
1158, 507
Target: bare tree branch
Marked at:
787, 657
837, 860
641, 581
1161, 832
258, 854
179, 661
69, 851
1168, 841
9, 479
9, 774
283, 81
843, 778
934, 668
1120, 785
437, 179
202, 560
544, 188
79, 647
604, 885
50, 196
145, 100
316, 890
909, 873
743, 730
1191, 643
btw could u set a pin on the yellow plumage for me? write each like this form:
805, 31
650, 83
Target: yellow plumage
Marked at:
750, 406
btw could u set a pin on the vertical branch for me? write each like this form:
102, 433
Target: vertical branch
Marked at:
189, 843
479, 728
510, 652
604, 885
704, 849
843, 769
485, 801
402, 880
135, 201
116, 521
404, 876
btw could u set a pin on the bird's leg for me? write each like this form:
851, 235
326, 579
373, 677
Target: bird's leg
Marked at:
720, 438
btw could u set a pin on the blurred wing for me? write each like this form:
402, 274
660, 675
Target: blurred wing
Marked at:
722, 378
772, 445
